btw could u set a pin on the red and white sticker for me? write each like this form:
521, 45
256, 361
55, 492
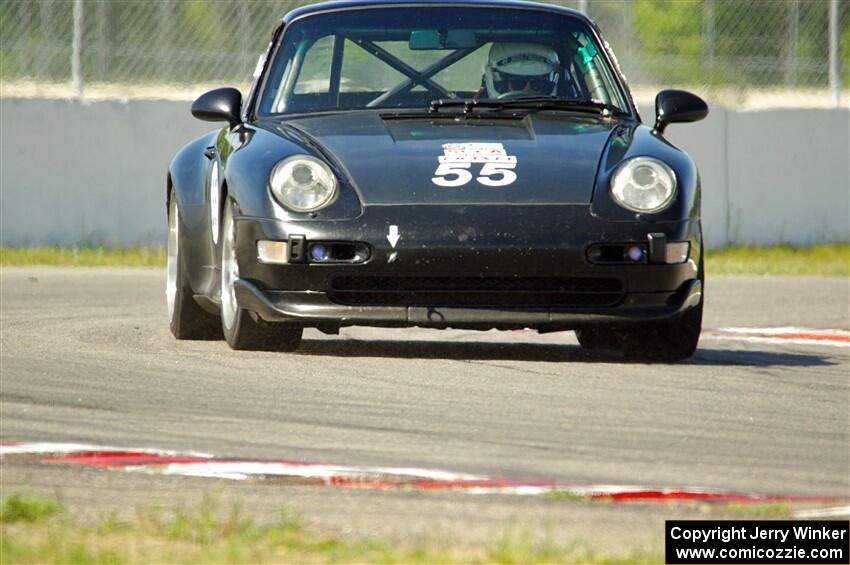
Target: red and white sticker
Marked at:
455, 165
475, 153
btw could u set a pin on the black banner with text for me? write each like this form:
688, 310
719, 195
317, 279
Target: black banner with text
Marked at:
757, 541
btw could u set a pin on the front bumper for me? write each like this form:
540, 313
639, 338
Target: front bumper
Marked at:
482, 242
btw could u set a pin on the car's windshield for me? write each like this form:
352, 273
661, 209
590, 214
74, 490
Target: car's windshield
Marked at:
407, 57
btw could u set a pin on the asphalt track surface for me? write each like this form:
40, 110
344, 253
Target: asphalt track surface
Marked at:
87, 357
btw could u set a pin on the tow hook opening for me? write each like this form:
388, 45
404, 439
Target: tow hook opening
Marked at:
337, 252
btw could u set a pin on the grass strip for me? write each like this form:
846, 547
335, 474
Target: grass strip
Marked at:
142, 256
29, 533
831, 260
818, 260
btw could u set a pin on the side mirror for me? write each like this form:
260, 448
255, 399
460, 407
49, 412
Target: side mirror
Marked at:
219, 105
678, 106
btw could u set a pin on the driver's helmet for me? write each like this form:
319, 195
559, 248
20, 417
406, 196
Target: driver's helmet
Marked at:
527, 68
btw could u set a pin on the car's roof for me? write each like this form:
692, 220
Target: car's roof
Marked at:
349, 4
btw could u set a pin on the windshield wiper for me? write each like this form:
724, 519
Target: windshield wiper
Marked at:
556, 103
467, 103
529, 103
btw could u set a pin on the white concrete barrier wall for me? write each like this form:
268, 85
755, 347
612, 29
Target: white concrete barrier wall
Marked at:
771, 176
73, 173
76, 173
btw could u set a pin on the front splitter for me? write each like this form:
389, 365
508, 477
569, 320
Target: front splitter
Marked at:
314, 308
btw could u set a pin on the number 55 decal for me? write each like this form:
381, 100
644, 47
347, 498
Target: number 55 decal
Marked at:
503, 169
454, 165
453, 175
457, 170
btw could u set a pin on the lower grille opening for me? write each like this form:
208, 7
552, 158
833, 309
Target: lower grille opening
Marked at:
539, 292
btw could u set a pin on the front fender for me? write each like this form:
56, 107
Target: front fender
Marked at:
640, 141
188, 176
188, 169
249, 157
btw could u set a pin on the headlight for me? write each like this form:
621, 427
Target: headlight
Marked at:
303, 183
643, 184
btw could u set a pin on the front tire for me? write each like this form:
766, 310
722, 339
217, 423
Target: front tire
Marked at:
667, 341
241, 330
663, 341
648, 341
651, 341
186, 319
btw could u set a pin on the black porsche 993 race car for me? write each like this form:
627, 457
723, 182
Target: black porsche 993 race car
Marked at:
472, 164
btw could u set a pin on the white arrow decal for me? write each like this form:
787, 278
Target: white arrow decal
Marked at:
393, 236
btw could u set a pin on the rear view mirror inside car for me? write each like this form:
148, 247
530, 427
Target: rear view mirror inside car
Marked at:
431, 39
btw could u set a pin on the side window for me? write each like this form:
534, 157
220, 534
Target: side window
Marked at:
594, 72
316, 71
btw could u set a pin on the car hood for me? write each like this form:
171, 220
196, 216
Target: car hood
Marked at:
550, 157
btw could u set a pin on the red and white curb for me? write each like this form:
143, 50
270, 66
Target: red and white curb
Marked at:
783, 335
194, 464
